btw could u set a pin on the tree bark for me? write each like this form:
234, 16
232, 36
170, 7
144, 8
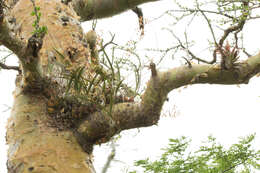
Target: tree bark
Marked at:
35, 145
89, 9
51, 132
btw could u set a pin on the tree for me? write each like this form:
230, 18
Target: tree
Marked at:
65, 97
210, 157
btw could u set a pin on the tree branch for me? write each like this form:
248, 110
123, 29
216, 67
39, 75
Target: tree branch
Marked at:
110, 158
237, 27
100, 126
88, 9
3, 66
8, 36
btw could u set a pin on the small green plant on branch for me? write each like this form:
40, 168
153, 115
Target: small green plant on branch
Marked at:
38, 30
211, 157
106, 87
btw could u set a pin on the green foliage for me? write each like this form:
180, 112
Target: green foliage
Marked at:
209, 158
239, 9
103, 88
234, 11
38, 30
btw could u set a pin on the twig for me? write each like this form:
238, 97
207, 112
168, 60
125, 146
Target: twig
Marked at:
210, 27
3, 66
110, 158
237, 27
94, 24
205, 11
108, 43
234, 166
229, 30
190, 53
247, 54
139, 13
188, 62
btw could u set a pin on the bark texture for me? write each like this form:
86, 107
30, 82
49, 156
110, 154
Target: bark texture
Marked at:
35, 145
50, 132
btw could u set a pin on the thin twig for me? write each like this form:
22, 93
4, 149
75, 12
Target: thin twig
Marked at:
3, 66
110, 158
205, 11
210, 27
188, 62
234, 166
247, 54
237, 27
108, 43
189, 52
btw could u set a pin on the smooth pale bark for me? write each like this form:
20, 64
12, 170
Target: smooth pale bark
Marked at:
35, 144
35, 147
93, 9
147, 113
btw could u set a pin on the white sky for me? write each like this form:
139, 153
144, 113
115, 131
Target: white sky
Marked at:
226, 112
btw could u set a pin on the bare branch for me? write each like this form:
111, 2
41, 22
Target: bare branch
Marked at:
109, 158
187, 62
210, 27
190, 53
247, 54
204, 11
100, 127
108, 43
237, 27
3, 66
88, 9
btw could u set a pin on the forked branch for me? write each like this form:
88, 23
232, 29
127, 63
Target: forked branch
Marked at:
100, 127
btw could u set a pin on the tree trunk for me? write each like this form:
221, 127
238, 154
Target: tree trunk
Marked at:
48, 131
34, 144
35, 147
52, 130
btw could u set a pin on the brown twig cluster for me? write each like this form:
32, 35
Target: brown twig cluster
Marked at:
232, 13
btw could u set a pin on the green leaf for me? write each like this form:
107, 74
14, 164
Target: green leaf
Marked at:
210, 158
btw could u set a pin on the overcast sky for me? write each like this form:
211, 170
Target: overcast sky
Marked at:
226, 112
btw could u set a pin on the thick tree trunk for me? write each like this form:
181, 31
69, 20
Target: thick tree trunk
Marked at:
47, 132
34, 144
50, 132
35, 147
